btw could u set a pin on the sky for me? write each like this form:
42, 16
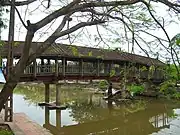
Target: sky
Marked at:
87, 38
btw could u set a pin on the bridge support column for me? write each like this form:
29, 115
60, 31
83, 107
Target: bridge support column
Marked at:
46, 116
47, 94
58, 118
57, 94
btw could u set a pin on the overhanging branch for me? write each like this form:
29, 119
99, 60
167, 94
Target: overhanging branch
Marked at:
19, 3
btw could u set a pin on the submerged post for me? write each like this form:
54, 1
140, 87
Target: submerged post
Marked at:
46, 115
58, 118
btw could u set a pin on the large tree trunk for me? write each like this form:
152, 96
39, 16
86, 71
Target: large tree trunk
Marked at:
6, 91
15, 74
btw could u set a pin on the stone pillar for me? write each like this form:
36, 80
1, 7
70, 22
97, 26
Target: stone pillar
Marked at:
57, 94
47, 94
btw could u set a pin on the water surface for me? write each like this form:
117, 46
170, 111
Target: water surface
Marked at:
89, 114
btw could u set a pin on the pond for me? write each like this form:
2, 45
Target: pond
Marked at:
89, 114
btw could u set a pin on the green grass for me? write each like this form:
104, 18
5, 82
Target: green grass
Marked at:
5, 132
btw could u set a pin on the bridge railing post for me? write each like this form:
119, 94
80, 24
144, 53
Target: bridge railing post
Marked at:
98, 67
34, 68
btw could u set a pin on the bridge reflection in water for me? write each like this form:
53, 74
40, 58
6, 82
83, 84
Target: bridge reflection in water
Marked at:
113, 121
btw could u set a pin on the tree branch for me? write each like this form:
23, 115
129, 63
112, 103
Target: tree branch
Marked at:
58, 34
74, 7
19, 15
20, 3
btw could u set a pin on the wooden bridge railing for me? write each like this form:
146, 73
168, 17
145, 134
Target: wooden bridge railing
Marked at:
88, 70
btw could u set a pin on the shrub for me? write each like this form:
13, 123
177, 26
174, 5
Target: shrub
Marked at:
136, 88
103, 85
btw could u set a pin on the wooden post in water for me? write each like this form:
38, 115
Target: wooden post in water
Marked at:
58, 118
46, 116
57, 94
47, 94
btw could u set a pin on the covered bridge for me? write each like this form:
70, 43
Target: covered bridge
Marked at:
61, 61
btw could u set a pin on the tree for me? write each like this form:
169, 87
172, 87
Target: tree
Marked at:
133, 14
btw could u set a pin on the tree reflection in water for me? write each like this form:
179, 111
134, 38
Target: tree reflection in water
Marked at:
95, 116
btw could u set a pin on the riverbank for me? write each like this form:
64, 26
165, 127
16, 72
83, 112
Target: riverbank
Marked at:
22, 125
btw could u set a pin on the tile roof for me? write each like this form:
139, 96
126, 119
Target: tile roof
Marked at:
72, 51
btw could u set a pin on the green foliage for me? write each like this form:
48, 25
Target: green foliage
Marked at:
74, 50
1, 43
103, 85
175, 41
90, 53
112, 73
171, 72
135, 88
176, 95
5, 132
151, 71
16, 43
143, 68
143, 17
167, 87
